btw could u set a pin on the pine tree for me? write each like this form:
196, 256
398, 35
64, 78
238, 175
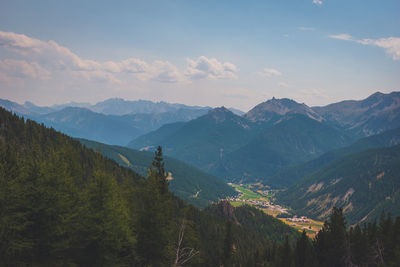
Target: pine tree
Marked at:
286, 257
155, 239
157, 172
304, 254
227, 246
331, 243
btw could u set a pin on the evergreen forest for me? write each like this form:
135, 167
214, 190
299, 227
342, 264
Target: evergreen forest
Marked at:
63, 204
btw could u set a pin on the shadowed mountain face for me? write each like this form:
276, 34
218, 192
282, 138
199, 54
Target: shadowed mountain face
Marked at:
202, 141
291, 141
289, 176
235, 147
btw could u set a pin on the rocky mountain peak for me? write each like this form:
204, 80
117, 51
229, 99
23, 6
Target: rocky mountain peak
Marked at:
278, 108
220, 114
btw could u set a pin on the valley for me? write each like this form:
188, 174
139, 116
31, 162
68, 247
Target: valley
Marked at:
263, 198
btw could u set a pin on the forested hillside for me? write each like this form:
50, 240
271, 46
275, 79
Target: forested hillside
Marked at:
291, 175
291, 141
187, 182
64, 204
239, 149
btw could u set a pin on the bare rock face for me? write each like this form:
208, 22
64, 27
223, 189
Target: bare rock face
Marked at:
226, 210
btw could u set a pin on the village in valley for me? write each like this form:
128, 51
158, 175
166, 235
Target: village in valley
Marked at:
262, 197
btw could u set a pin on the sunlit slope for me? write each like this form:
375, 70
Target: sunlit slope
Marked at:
364, 184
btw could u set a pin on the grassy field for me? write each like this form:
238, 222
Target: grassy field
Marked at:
254, 192
247, 194
311, 228
237, 204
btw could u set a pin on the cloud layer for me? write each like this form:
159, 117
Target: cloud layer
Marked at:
317, 2
390, 44
37, 59
210, 68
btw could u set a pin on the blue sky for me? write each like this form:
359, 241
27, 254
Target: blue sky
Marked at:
232, 53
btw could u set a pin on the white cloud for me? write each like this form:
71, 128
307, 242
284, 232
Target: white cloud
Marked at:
317, 2
267, 72
390, 44
23, 69
306, 28
53, 56
343, 36
165, 72
210, 68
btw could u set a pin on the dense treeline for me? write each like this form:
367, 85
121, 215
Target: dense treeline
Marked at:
372, 244
62, 204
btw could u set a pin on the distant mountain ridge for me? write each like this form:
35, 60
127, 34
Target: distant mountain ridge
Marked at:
110, 129
113, 121
111, 106
375, 114
79, 119
277, 108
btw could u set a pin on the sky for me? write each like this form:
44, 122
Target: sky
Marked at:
209, 53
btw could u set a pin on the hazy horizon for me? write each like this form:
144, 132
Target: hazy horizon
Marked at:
96, 102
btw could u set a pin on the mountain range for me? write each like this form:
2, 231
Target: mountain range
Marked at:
375, 114
113, 121
274, 135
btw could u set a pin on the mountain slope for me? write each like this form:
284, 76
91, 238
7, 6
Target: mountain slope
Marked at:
187, 182
296, 139
375, 114
203, 141
290, 175
364, 184
236, 148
